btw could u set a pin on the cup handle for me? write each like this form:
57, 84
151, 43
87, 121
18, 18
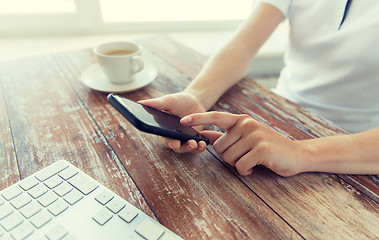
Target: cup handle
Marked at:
138, 63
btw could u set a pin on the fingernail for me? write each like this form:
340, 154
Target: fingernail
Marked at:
186, 119
190, 147
201, 148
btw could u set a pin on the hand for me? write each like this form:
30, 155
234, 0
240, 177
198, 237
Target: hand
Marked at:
179, 104
248, 143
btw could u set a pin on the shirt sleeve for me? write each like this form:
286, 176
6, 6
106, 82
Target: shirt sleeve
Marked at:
282, 5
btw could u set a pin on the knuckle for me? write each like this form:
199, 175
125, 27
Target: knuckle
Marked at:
228, 158
217, 147
246, 122
216, 115
263, 148
259, 136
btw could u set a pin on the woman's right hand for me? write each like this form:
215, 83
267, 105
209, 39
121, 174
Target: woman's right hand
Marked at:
180, 104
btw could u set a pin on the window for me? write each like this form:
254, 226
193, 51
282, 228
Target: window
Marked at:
48, 17
36, 6
174, 10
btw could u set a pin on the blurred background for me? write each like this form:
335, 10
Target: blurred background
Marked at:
34, 27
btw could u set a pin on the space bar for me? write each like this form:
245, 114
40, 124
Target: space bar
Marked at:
83, 184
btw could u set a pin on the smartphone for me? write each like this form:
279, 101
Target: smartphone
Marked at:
151, 120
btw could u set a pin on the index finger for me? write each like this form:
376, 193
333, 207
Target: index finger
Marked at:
220, 119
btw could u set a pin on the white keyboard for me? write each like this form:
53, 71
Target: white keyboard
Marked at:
62, 202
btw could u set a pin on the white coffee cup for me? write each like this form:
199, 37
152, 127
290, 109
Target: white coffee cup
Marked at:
120, 61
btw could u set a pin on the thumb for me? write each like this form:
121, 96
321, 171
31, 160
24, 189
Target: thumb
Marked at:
154, 103
212, 136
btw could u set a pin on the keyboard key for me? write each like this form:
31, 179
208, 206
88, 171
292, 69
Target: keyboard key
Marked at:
115, 205
103, 216
70, 237
83, 184
63, 189
29, 210
73, 197
28, 183
68, 173
56, 233
21, 201
37, 191
6, 238
51, 170
40, 219
5, 210
11, 221
104, 197
22, 231
149, 230
47, 199
57, 207
128, 214
53, 182
11, 192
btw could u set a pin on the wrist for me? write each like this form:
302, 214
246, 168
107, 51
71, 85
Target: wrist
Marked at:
193, 103
308, 156
201, 96
321, 155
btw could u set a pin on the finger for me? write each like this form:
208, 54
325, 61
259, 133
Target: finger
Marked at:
162, 103
235, 152
174, 144
177, 146
201, 146
189, 146
246, 163
155, 103
230, 138
169, 143
220, 119
212, 136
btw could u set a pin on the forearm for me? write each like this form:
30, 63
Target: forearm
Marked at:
221, 72
348, 154
231, 63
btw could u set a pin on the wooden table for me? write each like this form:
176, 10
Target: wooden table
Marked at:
46, 114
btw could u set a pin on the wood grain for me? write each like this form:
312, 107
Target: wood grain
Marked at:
197, 196
275, 111
49, 122
193, 195
296, 199
8, 163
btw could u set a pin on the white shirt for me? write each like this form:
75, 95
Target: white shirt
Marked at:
333, 72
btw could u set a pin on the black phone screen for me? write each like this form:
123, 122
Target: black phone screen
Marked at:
154, 118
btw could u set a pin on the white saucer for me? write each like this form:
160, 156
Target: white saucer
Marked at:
93, 77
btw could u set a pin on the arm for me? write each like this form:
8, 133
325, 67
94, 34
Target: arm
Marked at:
349, 154
231, 63
248, 143
223, 70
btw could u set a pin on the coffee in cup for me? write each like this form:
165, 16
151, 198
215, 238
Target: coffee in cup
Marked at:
120, 61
